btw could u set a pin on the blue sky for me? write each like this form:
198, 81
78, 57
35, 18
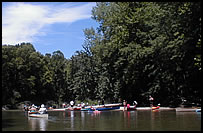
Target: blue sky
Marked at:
49, 26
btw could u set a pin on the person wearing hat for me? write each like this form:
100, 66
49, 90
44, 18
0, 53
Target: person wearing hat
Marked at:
32, 109
42, 110
71, 103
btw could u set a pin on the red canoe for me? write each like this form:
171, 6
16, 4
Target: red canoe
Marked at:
155, 107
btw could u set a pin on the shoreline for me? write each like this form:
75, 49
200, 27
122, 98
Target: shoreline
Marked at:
191, 109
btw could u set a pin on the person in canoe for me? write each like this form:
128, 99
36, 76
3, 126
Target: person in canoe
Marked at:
26, 108
102, 102
128, 106
83, 105
99, 102
71, 103
43, 110
32, 109
151, 100
124, 104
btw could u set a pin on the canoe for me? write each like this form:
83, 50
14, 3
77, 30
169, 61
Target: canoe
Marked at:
198, 110
112, 105
38, 115
63, 109
93, 111
83, 109
86, 109
108, 108
104, 106
143, 108
185, 110
32, 112
131, 108
157, 107
74, 109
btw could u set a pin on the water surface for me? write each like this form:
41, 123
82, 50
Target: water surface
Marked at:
103, 121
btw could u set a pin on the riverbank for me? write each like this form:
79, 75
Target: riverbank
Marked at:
178, 109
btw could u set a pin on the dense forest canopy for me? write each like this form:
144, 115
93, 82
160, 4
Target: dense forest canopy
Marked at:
139, 49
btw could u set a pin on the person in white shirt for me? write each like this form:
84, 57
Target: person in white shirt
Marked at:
42, 110
71, 103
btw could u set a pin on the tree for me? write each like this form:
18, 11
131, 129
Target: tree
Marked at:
59, 77
139, 49
147, 41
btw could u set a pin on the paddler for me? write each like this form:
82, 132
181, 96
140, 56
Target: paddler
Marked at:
83, 105
128, 106
71, 103
151, 99
124, 104
33, 109
25, 107
42, 110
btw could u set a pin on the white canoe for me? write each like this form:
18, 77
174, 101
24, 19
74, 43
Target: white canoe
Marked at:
198, 110
38, 115
143, 108
114, 104
62, 109
105, 105
185, 110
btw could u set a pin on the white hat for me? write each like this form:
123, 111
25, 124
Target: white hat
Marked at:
42, 106
33, 105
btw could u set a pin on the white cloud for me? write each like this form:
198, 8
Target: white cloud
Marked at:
22, 22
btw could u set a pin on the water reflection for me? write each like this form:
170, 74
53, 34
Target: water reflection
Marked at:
72, 119
38, 123
64, 114
155, 120
96, 113
198, 115
71, 115
130, 119
83, 119
104, 121
127, 116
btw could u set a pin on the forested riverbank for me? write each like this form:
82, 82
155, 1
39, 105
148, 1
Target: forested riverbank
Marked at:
139, 49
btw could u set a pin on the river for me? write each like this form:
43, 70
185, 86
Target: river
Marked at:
103, 121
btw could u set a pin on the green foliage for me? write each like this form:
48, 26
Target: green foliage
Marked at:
144, 49
139, 49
